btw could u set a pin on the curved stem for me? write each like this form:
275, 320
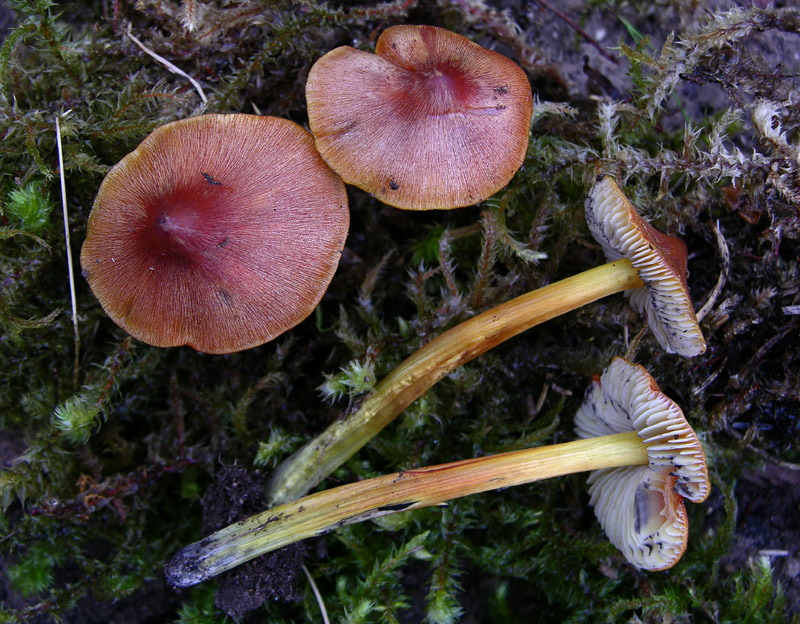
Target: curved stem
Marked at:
326, 511
411, 379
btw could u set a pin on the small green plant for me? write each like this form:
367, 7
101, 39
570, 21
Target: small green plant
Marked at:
30, 206
358, 377
278, 445
76, 419
33, 574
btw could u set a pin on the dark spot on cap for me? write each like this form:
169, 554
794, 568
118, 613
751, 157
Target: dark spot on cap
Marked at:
210, 179
393, 185
600, 178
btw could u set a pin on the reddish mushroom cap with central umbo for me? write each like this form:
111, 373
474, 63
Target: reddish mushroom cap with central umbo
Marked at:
430, 121
219, 232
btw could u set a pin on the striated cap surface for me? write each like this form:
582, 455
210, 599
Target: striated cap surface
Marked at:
219, 232
430, 121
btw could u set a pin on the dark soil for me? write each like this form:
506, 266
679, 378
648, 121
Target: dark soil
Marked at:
768, 525
238, 494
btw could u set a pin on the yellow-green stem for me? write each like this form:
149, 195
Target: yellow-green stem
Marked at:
323, 512
411, 379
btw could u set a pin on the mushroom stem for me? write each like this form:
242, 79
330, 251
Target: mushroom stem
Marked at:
326, 511
442, 355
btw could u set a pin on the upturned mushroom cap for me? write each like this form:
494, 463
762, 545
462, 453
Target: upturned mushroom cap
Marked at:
430, 121
661, 260
218, 231
641, 508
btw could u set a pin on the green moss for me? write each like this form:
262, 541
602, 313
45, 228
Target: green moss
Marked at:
34, 573
75, 419
30, 207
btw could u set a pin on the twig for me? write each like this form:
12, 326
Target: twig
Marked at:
580, 30
317, 595
764, 454
725, 256
174, 69
710, 379
116, 363
633, 346
69, 254
739, 378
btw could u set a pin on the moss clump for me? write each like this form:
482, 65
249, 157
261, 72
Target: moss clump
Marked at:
103, 480
29, 207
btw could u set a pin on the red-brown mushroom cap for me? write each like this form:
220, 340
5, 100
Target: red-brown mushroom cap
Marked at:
218, 231
430, 121
641, 508
662, 263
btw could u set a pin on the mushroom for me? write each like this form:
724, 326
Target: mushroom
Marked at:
646, 455
642, 246
641, 507
661, 261
430, 121
218, 231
